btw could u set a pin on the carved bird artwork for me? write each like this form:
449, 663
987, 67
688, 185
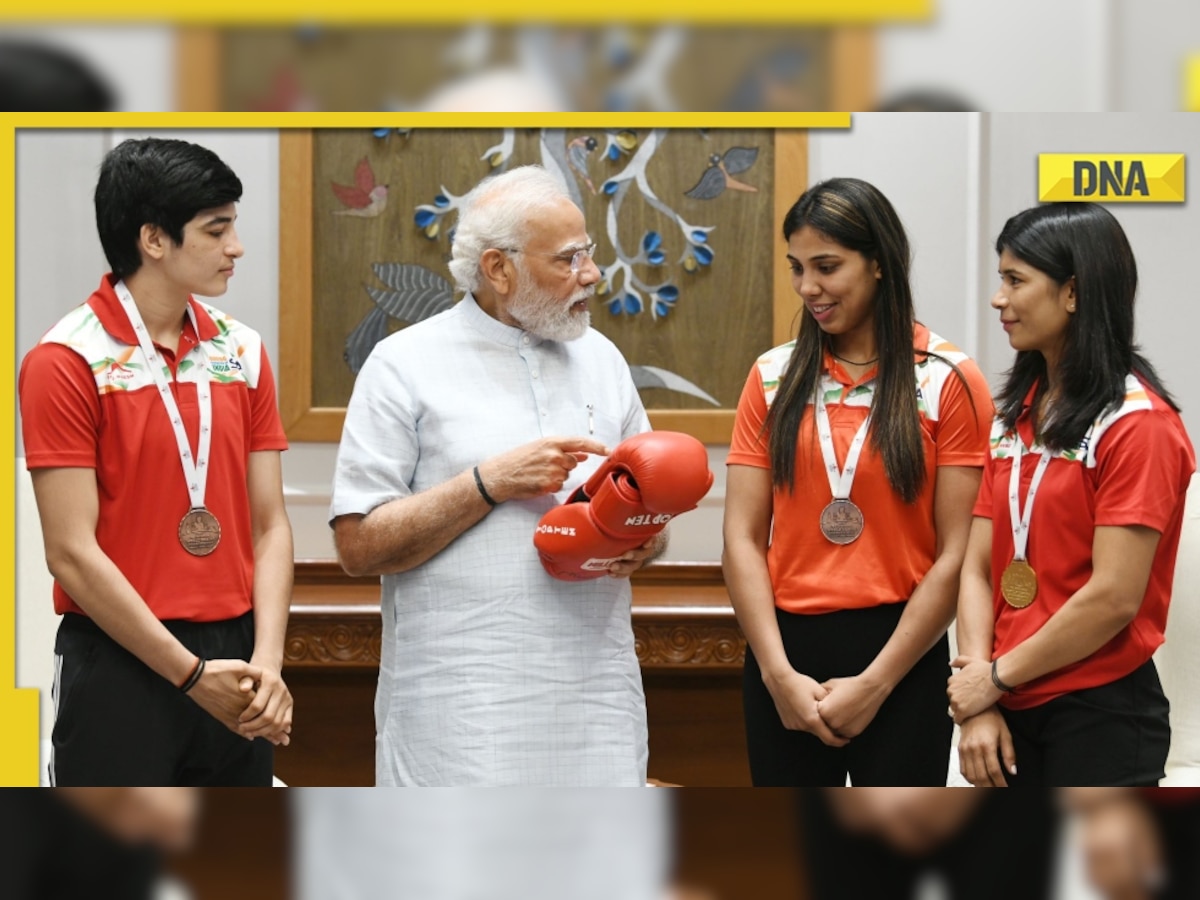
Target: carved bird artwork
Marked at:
578, 152
284, 94
719, 174
364, 198
654, 377
413, 293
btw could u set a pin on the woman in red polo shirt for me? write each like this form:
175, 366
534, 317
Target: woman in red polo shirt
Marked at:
855, 461
1068, 573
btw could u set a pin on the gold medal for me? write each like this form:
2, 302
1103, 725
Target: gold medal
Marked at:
1018, 584
199, 532
841, 522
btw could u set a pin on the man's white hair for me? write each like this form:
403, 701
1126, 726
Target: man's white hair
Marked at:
497, 212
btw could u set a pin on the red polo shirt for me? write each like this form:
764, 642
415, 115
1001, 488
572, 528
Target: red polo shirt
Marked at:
88, 401
1136, 473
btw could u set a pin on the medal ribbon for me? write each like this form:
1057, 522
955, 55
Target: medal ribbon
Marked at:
1019, 522
195, 472
840, 480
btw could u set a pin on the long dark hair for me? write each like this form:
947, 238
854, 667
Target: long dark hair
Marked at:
857, 216
1084, 241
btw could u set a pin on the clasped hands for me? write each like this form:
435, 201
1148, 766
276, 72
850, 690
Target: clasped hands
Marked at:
971, 689
985, 746
835, 711
249, 699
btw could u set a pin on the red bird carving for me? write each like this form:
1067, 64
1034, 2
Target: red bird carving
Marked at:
365, 198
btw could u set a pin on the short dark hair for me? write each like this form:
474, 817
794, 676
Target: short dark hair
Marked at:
1083, 241
160, 182
927, 100
38, 77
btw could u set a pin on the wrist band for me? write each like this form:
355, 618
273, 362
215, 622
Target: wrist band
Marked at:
197, 671
1000, 685
482, 490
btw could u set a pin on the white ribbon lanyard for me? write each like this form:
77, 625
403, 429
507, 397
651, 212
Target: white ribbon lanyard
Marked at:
1019, 522
195, 471
840, 481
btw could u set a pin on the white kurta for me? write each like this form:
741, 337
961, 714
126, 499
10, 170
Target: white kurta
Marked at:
464, 844
492, 672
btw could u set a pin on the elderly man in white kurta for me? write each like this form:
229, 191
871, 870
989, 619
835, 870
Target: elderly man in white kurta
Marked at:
463, 430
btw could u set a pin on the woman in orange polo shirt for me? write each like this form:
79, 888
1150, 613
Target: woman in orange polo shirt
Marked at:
1072, 551
854, 464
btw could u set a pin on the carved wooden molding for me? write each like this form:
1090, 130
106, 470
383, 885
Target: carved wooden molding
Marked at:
323, 572
682, 620
327, 572
351, 640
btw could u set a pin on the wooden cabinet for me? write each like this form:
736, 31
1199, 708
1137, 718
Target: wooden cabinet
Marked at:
688, 642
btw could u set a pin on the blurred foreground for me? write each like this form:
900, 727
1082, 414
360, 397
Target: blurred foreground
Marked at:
658, 844
1022, 55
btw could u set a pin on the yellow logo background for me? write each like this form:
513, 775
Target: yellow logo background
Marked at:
1112, 177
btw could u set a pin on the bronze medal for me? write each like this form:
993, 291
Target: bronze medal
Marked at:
199, 532
1018, 584
841, 522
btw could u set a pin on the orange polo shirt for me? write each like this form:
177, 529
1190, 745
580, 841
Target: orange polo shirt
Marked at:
1133, 469
88, 401
809, 573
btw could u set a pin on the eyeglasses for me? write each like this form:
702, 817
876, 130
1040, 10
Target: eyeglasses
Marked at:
574, 258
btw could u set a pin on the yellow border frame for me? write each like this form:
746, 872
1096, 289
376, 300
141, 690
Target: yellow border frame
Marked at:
697, 12
19, 709
1191, 83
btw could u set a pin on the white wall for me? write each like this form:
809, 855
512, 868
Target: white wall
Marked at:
56, 175
1016, 55
920, 162
1154, 38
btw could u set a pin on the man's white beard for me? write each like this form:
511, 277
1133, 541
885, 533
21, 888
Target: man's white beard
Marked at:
550, 318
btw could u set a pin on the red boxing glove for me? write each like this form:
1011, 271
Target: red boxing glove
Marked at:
646, 481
